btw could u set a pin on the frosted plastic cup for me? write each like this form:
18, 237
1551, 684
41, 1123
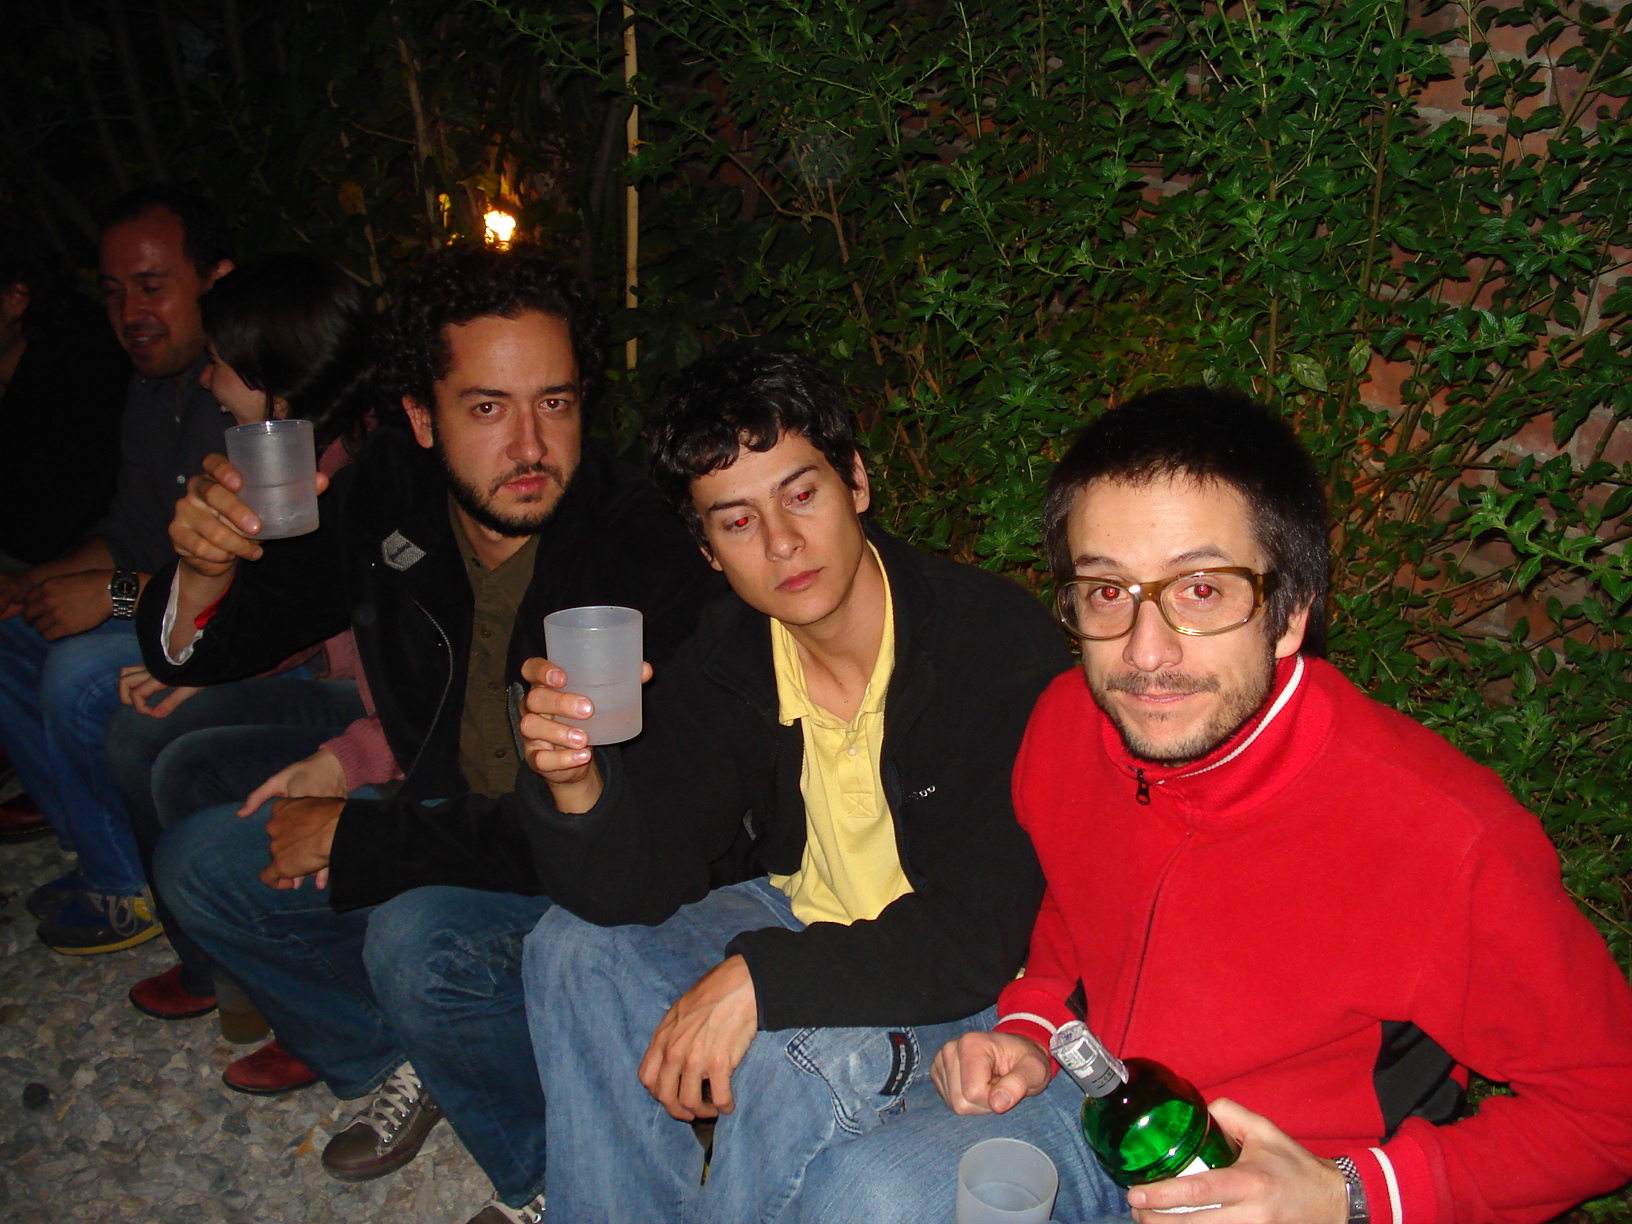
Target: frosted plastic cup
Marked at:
278, 461
599, 647
1006, 1181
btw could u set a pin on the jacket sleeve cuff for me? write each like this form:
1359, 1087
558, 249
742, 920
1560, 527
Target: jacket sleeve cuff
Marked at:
1399, 1183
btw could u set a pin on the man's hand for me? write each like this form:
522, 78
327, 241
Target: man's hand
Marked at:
302, 833
136, 685
319, 776
1274, 1181
699, 1043
69, 603
990, 1072
558, 751
213, 530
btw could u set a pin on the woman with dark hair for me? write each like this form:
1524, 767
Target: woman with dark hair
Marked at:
290, 336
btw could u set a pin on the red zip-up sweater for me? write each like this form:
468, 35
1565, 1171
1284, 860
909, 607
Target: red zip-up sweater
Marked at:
1260, 921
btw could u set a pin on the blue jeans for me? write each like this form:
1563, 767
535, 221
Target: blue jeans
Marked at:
907, 1172
215, 748
55, 700
594, 997
432, 976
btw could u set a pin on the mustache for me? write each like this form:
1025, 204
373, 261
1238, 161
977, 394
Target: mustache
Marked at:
529, 469
1139, 683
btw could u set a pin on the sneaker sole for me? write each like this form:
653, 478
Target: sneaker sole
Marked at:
141, 937
164, 1015
403, 1155
270, 1092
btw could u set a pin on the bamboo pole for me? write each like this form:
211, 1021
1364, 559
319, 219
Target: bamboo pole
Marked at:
631, 197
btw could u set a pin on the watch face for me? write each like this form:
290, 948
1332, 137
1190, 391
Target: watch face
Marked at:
124, 586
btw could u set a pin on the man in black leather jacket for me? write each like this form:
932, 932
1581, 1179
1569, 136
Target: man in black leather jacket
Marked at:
443, 547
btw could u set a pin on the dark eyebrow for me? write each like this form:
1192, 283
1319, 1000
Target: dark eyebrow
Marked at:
501, 393
1206, 552
779, 486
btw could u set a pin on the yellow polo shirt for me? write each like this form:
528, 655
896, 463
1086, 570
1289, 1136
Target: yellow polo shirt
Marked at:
851, 869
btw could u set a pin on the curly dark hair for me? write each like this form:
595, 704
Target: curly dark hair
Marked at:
1211, 436
461, 283
744, 397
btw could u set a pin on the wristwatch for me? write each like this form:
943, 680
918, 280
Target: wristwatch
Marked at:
1359, 1212
124, 586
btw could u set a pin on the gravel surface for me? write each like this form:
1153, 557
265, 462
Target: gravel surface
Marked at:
137, 1125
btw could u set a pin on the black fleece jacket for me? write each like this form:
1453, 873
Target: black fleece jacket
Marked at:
972, 653
386, 563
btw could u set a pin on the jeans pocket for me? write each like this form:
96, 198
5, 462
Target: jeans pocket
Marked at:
866, 1070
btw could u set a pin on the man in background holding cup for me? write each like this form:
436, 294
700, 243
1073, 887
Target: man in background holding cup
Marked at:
857, 708
443, 546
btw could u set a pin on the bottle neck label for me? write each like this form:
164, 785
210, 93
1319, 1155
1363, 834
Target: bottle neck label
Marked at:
1198, 1165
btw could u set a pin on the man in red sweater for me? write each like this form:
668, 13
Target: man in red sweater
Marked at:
1304, 902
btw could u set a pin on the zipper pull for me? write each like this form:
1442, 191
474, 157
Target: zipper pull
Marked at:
1143, 793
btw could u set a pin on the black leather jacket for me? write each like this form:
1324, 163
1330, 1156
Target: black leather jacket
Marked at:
385, 562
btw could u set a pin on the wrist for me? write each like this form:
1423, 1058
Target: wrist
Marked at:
1354, 1192
123, 588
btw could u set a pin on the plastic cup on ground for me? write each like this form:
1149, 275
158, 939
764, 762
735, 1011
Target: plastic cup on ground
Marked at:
1006, 1181
600, 649
278, 461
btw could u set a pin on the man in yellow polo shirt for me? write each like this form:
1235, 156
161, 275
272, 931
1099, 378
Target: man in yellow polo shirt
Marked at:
840, 732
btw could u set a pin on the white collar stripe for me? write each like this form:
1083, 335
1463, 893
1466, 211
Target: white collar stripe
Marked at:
1274, 710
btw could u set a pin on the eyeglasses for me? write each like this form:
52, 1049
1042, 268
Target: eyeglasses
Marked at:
1198, 604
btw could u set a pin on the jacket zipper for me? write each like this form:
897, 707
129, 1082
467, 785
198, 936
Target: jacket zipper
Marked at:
1142, 791
442, 701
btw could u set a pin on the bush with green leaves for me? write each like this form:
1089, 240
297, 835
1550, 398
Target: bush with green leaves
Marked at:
996, 221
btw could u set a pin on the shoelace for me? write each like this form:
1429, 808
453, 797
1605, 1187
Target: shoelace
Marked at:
393, 1103
124, 914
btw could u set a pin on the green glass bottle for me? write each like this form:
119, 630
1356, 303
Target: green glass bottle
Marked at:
1142, 1122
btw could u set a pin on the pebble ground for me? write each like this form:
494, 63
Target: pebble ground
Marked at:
138, 1126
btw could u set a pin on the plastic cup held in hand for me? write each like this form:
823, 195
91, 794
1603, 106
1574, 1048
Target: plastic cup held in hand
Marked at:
600, 649
1006, 1181
278, 461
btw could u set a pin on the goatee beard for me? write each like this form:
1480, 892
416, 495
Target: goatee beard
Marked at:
479, 507
1236, 708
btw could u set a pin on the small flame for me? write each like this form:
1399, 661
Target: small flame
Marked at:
500, 225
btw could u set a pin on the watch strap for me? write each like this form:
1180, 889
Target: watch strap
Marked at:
1359, 1210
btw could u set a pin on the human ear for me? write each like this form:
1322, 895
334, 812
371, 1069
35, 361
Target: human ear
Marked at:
419, 419
862, 493
1291, 640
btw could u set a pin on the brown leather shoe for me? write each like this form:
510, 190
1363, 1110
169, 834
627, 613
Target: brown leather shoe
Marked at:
269, 1071
165, 998
387, 1133
21, 820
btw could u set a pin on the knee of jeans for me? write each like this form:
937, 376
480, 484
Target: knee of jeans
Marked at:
564, 946
80, 679
416, 952
200, 862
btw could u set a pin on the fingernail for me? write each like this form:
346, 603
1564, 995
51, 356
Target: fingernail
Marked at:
578, 737
581, 756
1136, 1198
584, 709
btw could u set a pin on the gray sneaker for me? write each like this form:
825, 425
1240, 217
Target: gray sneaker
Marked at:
387, 1133
496, 1212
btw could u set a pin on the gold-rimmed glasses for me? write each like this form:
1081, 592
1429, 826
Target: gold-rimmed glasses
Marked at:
1200, 603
